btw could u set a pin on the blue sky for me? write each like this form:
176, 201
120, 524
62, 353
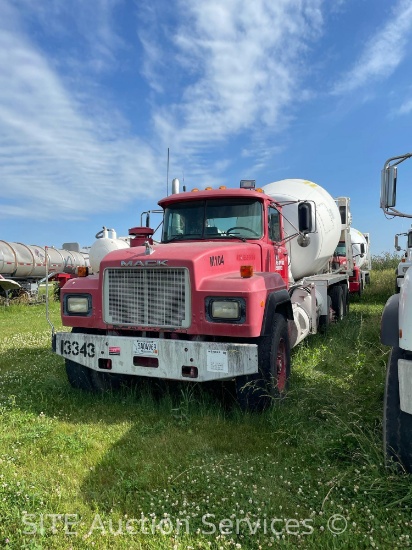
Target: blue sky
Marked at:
93, 93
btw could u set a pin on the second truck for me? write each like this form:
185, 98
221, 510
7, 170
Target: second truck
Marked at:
396, 332
239, 278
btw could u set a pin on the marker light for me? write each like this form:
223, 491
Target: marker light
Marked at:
82, 271
195, 189
208, 188
222, 187
246, 271
247, 184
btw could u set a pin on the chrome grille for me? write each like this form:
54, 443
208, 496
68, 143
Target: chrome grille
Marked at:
147, 297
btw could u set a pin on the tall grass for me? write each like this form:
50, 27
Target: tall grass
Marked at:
178, 466
386, 260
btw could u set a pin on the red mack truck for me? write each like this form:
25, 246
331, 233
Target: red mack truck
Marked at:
359, 254
239, 278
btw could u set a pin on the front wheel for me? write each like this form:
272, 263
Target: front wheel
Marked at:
397, 425
346, 298
105, 381
257, 392
78, 376
84, 378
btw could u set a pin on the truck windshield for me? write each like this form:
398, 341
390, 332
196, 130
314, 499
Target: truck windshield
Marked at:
340, 249
410, 240
213, 219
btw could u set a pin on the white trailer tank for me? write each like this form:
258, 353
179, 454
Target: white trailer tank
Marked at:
357, 239
22, 261
106, 242
313, 258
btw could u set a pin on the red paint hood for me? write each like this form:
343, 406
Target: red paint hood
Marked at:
221, 257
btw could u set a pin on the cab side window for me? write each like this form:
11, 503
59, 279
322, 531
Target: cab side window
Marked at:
274, 224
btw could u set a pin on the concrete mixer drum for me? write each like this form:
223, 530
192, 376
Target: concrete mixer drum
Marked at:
311, 255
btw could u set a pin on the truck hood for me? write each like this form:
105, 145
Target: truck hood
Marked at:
221, 257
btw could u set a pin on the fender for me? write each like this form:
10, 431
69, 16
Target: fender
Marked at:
278, 301
390, 322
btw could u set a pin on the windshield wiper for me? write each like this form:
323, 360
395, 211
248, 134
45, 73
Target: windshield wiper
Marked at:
175, 238
196, 237
232, 236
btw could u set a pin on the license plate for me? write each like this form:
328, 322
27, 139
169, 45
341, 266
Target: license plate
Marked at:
147, 347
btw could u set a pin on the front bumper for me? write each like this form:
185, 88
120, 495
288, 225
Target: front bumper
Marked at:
173, 359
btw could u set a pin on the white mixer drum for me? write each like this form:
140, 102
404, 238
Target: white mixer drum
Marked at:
313, 258
357, 239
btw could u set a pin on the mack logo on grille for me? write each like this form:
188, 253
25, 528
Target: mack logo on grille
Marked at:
147, 263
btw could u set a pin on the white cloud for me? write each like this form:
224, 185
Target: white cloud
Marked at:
237, 70
405, 108
383, 52
244, 63
86, 27
58, 160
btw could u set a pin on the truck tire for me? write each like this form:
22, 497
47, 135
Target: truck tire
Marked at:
346, 299
257, 392
397, 425
78, 376
336, 294
105, 381
324, 320
83, 378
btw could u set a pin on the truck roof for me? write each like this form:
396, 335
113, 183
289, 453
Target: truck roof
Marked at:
213, 194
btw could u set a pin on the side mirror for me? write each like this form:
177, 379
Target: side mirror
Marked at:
305, 218
410, 240
389, 177
397, 247
362, 249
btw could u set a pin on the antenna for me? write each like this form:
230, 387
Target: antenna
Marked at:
167, 175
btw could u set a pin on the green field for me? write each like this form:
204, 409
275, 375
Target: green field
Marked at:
182, 467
